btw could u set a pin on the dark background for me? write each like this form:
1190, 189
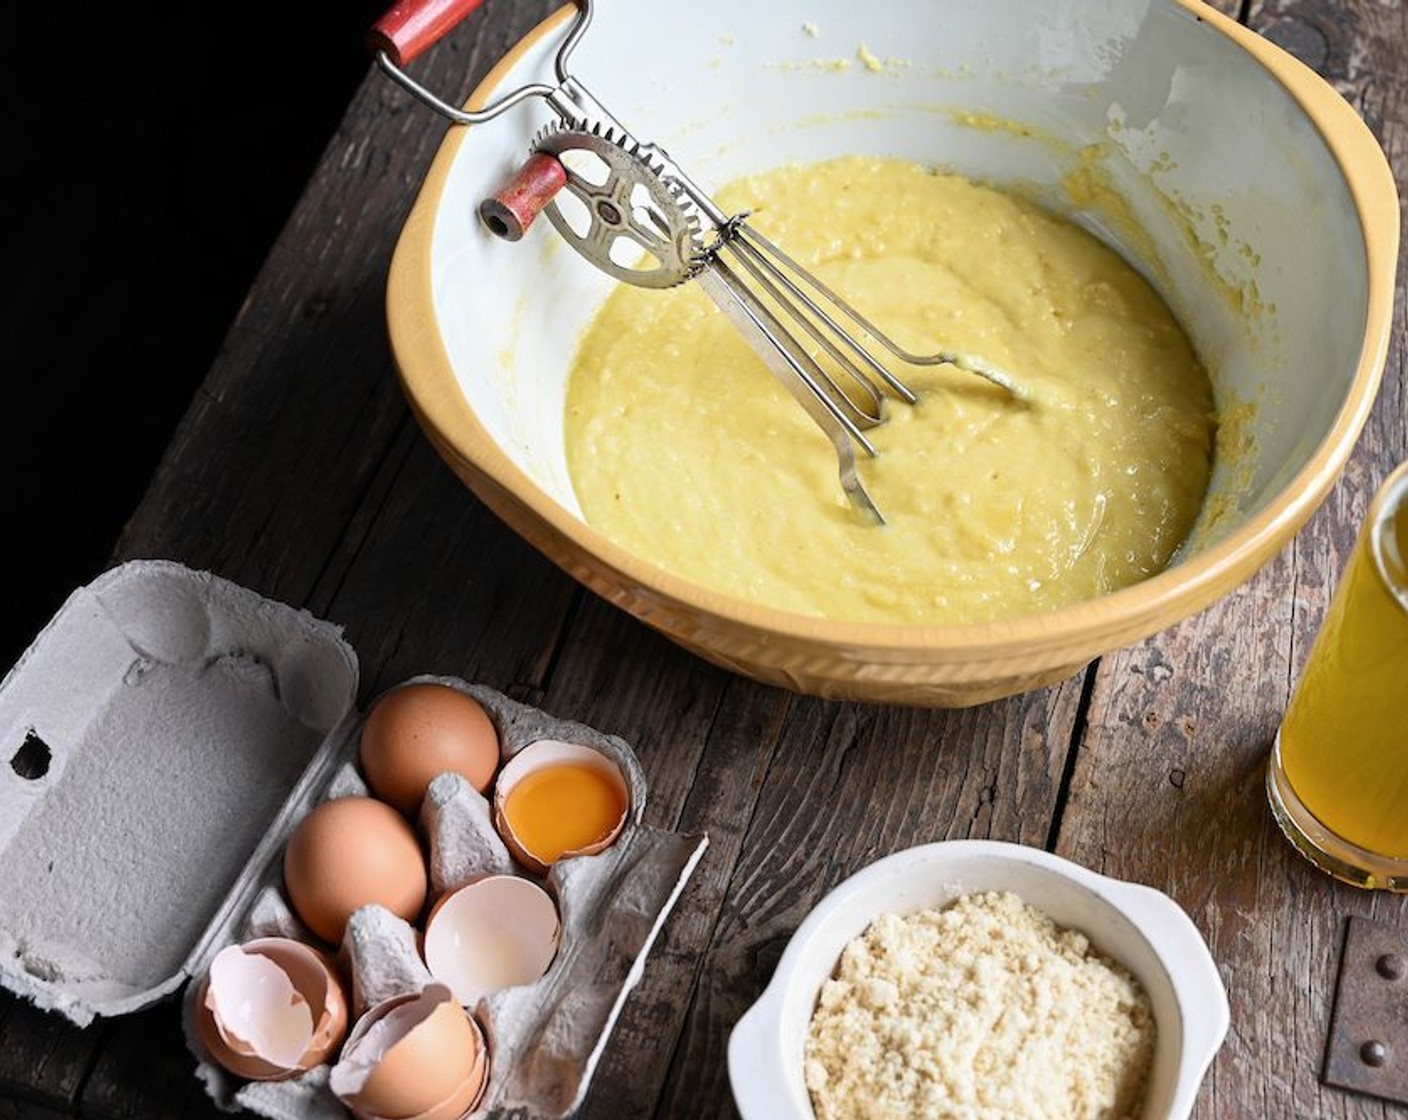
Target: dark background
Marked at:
153, 155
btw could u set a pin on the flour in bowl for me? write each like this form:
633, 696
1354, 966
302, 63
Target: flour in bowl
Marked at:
985, 1009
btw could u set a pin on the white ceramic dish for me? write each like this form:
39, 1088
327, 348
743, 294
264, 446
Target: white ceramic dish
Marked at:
1138, 926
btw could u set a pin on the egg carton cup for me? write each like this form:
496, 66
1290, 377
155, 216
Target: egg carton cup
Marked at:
167, 731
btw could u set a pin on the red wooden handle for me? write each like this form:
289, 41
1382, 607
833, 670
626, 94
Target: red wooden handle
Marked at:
409, 27
509, 212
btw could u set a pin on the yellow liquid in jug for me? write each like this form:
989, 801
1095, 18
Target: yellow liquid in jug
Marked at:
1344, 740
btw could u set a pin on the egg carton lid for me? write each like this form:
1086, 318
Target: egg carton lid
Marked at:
156, 740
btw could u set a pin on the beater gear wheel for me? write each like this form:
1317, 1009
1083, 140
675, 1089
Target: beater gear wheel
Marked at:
629, 202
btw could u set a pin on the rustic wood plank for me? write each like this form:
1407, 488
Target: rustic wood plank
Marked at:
450, 591
17, 1108
1168, 789
285, 435
144, 1072
43, 1058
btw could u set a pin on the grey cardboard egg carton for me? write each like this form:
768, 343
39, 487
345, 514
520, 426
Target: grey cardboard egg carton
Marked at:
166, 732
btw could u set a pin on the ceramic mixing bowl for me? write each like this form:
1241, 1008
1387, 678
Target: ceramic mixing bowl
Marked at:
1243, 186
1141, 928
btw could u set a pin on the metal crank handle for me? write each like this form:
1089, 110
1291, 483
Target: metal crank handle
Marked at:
410, 27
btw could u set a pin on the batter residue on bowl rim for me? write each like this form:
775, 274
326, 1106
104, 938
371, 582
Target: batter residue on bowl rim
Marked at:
684, 450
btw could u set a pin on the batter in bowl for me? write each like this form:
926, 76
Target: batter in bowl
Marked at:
683, 448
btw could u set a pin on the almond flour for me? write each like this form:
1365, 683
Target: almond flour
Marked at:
981, 1010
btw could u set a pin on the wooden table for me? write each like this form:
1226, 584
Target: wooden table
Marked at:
299, 472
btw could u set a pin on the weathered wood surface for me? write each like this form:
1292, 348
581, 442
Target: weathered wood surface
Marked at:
299, 472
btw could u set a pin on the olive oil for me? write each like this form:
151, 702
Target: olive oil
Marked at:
1343, 744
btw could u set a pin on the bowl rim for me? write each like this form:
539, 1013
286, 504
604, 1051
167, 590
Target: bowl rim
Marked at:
1204, 1013
432, 390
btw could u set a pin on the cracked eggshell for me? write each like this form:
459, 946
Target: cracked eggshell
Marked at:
462, 1102
501, 931
420, 1056
270, 1008
595, 832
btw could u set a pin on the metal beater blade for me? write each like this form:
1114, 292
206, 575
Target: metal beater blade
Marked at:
842, 404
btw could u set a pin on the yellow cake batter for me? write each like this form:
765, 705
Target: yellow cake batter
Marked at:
684, 449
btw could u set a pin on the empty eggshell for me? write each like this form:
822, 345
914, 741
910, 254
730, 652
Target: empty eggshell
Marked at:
494, 933
419, 1056
270, 1008
422, 729
349, 852
555, 800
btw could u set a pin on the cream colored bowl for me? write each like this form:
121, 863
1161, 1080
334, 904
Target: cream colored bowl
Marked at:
1141, 928
1246, 189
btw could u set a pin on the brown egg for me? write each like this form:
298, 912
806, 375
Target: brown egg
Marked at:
418, 731
346, 853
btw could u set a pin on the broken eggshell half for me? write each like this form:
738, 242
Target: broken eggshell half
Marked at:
270, 1008
555, 800
497, 932
417, 1056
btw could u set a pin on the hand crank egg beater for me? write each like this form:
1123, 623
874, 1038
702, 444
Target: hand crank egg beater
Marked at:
644, 221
